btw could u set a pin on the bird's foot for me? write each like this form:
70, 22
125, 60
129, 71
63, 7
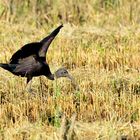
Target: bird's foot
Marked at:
30, 90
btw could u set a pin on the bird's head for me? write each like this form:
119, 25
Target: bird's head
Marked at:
62, 72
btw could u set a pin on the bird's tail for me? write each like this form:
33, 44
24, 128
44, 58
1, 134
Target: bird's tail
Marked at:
5, 66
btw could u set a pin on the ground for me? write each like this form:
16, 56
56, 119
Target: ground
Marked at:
99, 45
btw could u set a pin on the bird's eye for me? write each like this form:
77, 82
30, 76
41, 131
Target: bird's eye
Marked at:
65, 72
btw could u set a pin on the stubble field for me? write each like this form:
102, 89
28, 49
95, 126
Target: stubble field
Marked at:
99, 45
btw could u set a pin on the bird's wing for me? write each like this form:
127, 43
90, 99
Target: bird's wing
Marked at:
37, 48
47, 41
27, 65
25, 51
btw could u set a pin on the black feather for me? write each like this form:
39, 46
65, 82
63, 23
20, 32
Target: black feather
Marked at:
29, 61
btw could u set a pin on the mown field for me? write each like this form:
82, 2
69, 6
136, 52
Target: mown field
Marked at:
99, 45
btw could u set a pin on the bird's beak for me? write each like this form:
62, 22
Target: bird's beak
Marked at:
73, 81
70, 77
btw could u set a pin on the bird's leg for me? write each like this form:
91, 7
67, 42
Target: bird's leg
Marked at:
29, 83
41, 87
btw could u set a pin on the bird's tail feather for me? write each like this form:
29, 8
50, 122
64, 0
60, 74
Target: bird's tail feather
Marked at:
5, 66
8, 67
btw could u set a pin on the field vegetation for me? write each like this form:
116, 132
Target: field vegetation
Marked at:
99, 45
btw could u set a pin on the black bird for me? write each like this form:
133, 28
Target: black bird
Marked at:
30, 60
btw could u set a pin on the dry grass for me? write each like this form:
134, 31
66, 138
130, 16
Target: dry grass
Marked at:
101, 49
